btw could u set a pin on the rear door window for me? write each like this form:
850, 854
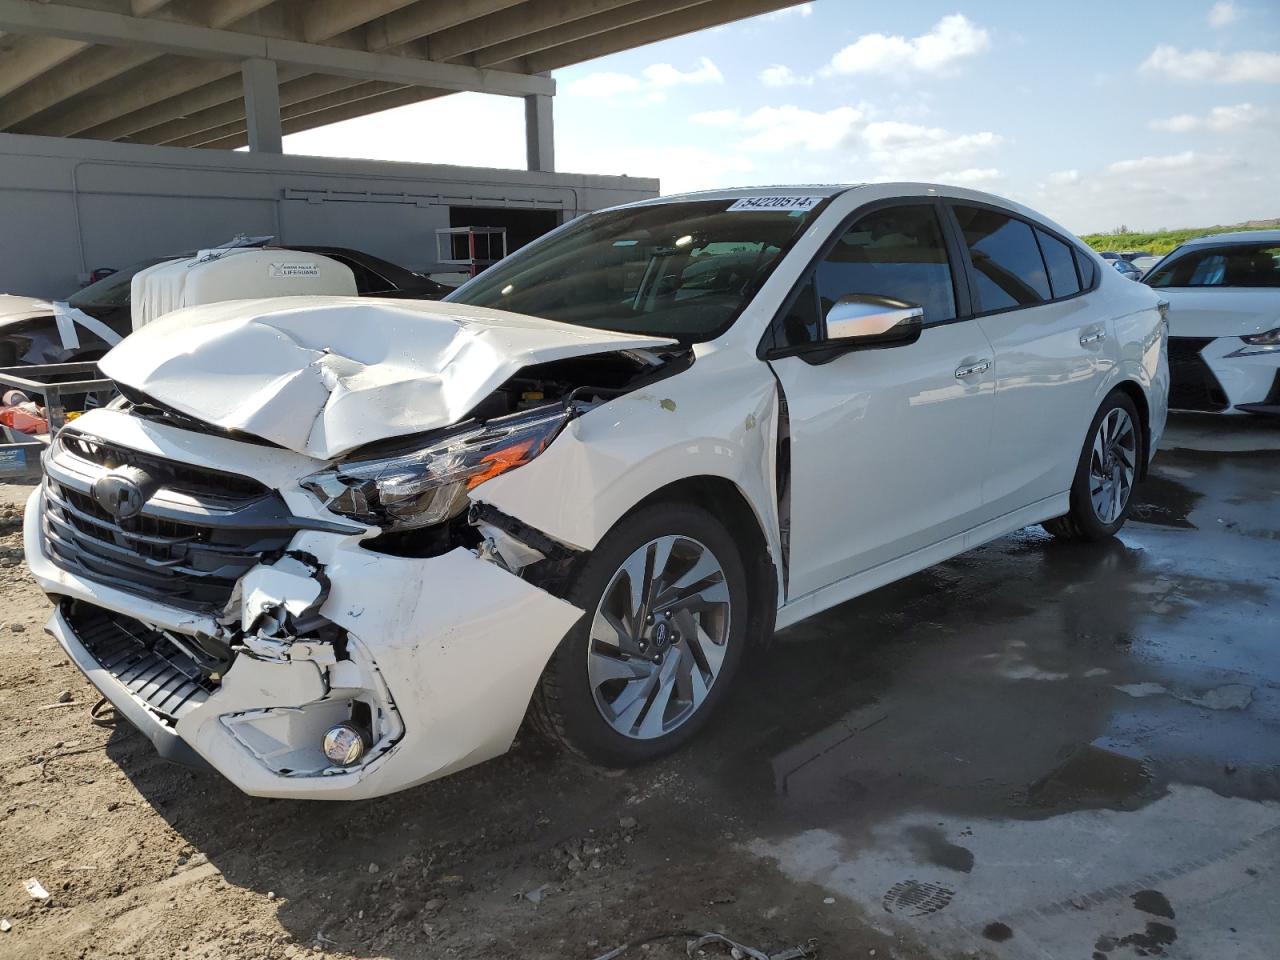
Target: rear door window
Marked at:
1062, 268
1006, 260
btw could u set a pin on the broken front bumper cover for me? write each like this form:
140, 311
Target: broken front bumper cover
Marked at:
452, 645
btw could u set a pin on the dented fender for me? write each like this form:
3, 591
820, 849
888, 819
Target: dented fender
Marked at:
721, 423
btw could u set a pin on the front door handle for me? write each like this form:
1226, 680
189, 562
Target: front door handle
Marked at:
972, 369
1097, 336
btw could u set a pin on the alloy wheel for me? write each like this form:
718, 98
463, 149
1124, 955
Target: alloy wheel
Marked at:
659, 637
1113, 464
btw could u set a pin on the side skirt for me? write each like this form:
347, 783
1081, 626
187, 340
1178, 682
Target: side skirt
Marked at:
855, 586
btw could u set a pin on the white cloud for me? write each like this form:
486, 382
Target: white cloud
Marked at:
952, 38
665, 75
910, 150
778, 75
1064, 177
978, 177
603, 85
1240, 116
1222, 14
652, 82
1182, 123
1246, 66
1174, 190
802, 10
770, 129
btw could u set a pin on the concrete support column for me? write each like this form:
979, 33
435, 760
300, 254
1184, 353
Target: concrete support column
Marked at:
539, 133
262, 105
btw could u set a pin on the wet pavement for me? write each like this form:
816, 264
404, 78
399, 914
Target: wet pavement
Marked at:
1045, 750
1035, 750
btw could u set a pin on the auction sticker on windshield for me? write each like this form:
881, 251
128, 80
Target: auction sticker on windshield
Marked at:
774, 203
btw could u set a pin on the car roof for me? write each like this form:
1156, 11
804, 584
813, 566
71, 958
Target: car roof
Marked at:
827, 190
1236, 236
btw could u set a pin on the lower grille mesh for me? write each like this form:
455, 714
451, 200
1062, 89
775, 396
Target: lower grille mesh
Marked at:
1192, 384
143, 660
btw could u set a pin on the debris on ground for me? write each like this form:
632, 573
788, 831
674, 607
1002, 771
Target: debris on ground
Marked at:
697, 941
36, 889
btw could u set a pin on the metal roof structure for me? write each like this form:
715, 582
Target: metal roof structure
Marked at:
230, 73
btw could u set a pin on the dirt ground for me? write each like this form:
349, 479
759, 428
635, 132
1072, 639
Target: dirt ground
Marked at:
1031, 751
530, 856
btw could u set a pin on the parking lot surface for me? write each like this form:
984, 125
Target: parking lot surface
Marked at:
1034, 750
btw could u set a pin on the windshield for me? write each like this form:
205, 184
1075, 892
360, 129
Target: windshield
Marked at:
681, 270
113, 290
1233, 265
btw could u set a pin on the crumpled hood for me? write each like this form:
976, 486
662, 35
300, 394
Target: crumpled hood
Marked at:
1221, 311
323, 375
14, 309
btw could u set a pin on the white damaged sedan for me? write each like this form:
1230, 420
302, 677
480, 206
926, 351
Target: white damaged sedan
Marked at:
334, 548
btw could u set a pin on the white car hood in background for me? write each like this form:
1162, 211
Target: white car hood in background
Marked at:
323, 375
14, 309
1221, 311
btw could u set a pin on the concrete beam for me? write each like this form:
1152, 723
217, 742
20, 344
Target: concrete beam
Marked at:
651, 31
91, 26
230, 110
323, 19
94, 66
322, 118
31, 57
262, 106
539, 134
635, 11
512, 23
424, 19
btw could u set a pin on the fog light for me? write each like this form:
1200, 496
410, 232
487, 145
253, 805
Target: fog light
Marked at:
345, 744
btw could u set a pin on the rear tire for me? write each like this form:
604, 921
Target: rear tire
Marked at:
1102, 491
628, 683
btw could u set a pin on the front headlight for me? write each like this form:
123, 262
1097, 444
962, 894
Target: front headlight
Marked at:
1259, 344
1269, 339
430, 485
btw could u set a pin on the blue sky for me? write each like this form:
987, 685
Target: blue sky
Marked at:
1148, 114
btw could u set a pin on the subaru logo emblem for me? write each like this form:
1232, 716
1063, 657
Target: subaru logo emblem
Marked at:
120, 495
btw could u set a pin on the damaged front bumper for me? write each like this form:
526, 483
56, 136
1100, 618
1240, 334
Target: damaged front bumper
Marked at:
438, 656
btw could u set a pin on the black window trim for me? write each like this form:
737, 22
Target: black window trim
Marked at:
952, 202
768, 349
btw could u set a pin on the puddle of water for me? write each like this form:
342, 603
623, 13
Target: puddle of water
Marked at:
1092, 775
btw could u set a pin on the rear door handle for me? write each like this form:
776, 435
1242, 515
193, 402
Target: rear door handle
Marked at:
1097, 336
972, 369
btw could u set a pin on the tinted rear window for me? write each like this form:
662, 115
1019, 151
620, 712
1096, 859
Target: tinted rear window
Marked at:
1005, 259
1060, 264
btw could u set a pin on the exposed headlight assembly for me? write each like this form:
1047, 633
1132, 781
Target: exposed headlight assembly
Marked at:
1268, 342
427, 486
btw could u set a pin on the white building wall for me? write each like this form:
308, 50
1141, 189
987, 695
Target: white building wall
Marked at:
70, 206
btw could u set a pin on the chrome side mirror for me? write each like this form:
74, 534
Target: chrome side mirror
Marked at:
873, 321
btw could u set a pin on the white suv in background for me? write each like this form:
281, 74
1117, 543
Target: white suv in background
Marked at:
1224, 322
336, 547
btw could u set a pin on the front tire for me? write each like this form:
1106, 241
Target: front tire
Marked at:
666, 601
1102, 491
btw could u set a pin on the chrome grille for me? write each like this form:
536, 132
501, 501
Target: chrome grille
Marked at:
199, 530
